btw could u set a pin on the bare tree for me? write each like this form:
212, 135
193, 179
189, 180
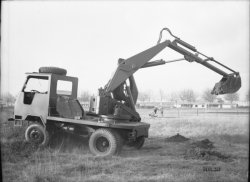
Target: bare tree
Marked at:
188, 95
162, 94
150, 94
232, 97
207, 96
220, 100
8, 98
174, 97
84, 96
144, 96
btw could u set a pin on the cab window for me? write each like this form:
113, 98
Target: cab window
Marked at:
64, 87
36, 84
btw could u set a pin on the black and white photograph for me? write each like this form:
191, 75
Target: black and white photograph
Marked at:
124, 91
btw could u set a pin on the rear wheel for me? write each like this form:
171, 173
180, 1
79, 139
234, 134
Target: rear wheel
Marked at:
104, 142
120, 141
138, 143
37, 134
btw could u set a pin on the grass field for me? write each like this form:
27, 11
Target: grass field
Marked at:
159, 159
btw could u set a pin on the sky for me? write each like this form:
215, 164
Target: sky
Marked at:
88, 37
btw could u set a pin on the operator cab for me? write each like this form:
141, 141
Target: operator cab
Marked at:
48, 94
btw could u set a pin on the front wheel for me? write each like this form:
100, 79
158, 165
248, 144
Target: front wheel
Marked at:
104, 142
37, 134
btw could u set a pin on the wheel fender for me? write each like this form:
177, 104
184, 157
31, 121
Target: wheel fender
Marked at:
38, 119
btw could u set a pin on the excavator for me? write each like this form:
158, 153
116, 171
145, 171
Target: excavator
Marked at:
117, 88
112, 120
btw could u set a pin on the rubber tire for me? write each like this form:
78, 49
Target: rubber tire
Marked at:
54, 70
110, 136
41, 130
120, 142
138, 144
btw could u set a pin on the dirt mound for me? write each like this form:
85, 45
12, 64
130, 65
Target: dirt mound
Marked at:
205, 150
177, 138
204, 144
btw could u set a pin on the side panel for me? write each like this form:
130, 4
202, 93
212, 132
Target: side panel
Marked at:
62, 99
38, 107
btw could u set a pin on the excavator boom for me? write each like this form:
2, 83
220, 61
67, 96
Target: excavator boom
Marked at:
230, 83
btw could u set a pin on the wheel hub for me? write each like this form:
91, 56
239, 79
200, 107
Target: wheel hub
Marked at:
35, 135
102, 144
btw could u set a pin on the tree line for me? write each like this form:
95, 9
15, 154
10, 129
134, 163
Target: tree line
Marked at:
187, 95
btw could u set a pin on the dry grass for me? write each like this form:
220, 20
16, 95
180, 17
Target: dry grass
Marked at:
158, 160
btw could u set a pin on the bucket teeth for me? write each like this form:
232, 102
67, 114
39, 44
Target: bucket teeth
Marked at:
227, 85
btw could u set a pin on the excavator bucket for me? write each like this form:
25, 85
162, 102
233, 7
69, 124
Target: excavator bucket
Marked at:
227, 85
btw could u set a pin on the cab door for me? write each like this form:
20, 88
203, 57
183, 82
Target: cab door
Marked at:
33, 100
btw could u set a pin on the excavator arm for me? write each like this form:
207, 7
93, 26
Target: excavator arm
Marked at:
229, 83
119, 98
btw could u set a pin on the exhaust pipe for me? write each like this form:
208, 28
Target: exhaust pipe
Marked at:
227, 85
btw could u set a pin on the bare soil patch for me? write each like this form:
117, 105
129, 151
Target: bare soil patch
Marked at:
177, 138
205, 150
